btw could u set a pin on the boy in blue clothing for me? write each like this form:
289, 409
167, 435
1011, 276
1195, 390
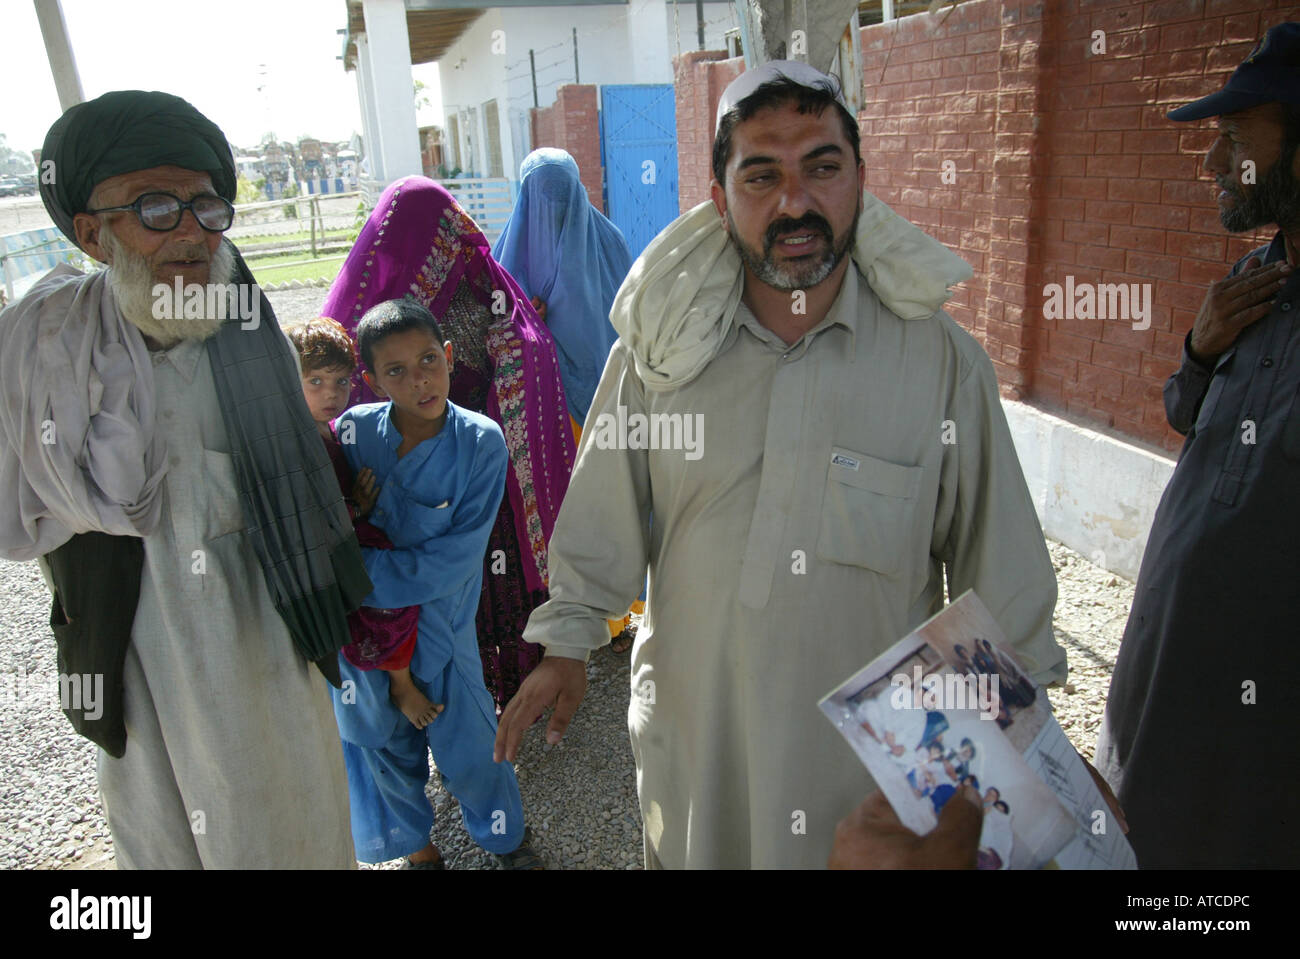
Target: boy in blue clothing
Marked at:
441, 474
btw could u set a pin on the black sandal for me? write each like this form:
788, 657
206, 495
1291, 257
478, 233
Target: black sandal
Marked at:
523, 857
438, 863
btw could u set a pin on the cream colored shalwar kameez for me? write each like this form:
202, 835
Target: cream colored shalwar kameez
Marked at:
232, 757
811, 535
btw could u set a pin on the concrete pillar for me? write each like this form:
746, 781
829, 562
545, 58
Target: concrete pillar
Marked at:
392, 90
369, 123
807, 30
848, 64
647, 34
821, 33
59, 51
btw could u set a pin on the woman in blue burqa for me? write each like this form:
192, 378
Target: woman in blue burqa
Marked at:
570, 260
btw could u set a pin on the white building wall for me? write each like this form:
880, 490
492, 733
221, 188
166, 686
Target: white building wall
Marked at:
617, 43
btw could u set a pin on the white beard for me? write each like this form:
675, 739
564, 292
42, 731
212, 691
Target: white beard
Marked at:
133, 286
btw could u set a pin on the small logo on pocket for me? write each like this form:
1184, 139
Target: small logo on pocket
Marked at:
839, 459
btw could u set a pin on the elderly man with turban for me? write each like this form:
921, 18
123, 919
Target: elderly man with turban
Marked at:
160, 461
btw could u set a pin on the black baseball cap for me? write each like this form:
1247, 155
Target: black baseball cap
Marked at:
1271, 74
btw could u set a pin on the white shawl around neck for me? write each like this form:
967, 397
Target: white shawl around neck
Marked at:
679, 300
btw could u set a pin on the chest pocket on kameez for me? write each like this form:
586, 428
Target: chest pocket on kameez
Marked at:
416, 523
868, 511
225, 514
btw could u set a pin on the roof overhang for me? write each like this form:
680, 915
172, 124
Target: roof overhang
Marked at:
431, 31
434, 25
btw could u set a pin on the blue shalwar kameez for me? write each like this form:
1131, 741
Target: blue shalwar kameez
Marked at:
437, 504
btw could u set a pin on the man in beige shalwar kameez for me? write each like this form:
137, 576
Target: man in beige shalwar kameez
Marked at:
849, 451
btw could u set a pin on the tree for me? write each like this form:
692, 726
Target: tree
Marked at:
14, 161
248, 191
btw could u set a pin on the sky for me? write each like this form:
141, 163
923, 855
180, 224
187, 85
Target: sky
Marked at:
214, 54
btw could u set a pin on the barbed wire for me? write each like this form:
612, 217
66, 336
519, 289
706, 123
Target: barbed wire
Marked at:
621, 21
522, 60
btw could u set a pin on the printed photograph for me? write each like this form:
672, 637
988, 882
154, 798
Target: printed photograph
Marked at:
921, 747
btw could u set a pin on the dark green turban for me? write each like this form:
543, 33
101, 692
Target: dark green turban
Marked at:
122, 132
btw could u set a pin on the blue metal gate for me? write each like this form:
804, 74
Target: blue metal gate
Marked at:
639, 142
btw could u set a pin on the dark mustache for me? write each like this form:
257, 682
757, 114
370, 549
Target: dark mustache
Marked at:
186, 251
809, 221
1231, 188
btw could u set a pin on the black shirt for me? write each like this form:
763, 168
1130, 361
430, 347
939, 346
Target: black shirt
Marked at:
1207, 777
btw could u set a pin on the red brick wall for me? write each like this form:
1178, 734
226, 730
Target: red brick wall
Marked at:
1127, 200
572, 123
1064, 163
699, 79
967, 93
542, 127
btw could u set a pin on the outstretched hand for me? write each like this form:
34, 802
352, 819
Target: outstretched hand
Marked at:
557, 682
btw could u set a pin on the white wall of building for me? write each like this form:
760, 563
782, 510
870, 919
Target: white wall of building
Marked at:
617, 43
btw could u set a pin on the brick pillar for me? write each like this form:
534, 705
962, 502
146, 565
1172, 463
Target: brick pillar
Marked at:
541, 122
576, 105
572, 123
699, 79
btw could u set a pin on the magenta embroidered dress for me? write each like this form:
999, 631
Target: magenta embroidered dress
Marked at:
418, 242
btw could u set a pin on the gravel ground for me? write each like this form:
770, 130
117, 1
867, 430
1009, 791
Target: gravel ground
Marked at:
1091, 610
580, 796
291, 306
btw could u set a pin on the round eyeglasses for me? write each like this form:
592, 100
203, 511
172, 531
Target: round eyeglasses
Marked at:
163, 212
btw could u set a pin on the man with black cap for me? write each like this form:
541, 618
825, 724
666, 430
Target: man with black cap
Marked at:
160, 461
1204, 687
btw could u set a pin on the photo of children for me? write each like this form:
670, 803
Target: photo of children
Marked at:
929, 718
